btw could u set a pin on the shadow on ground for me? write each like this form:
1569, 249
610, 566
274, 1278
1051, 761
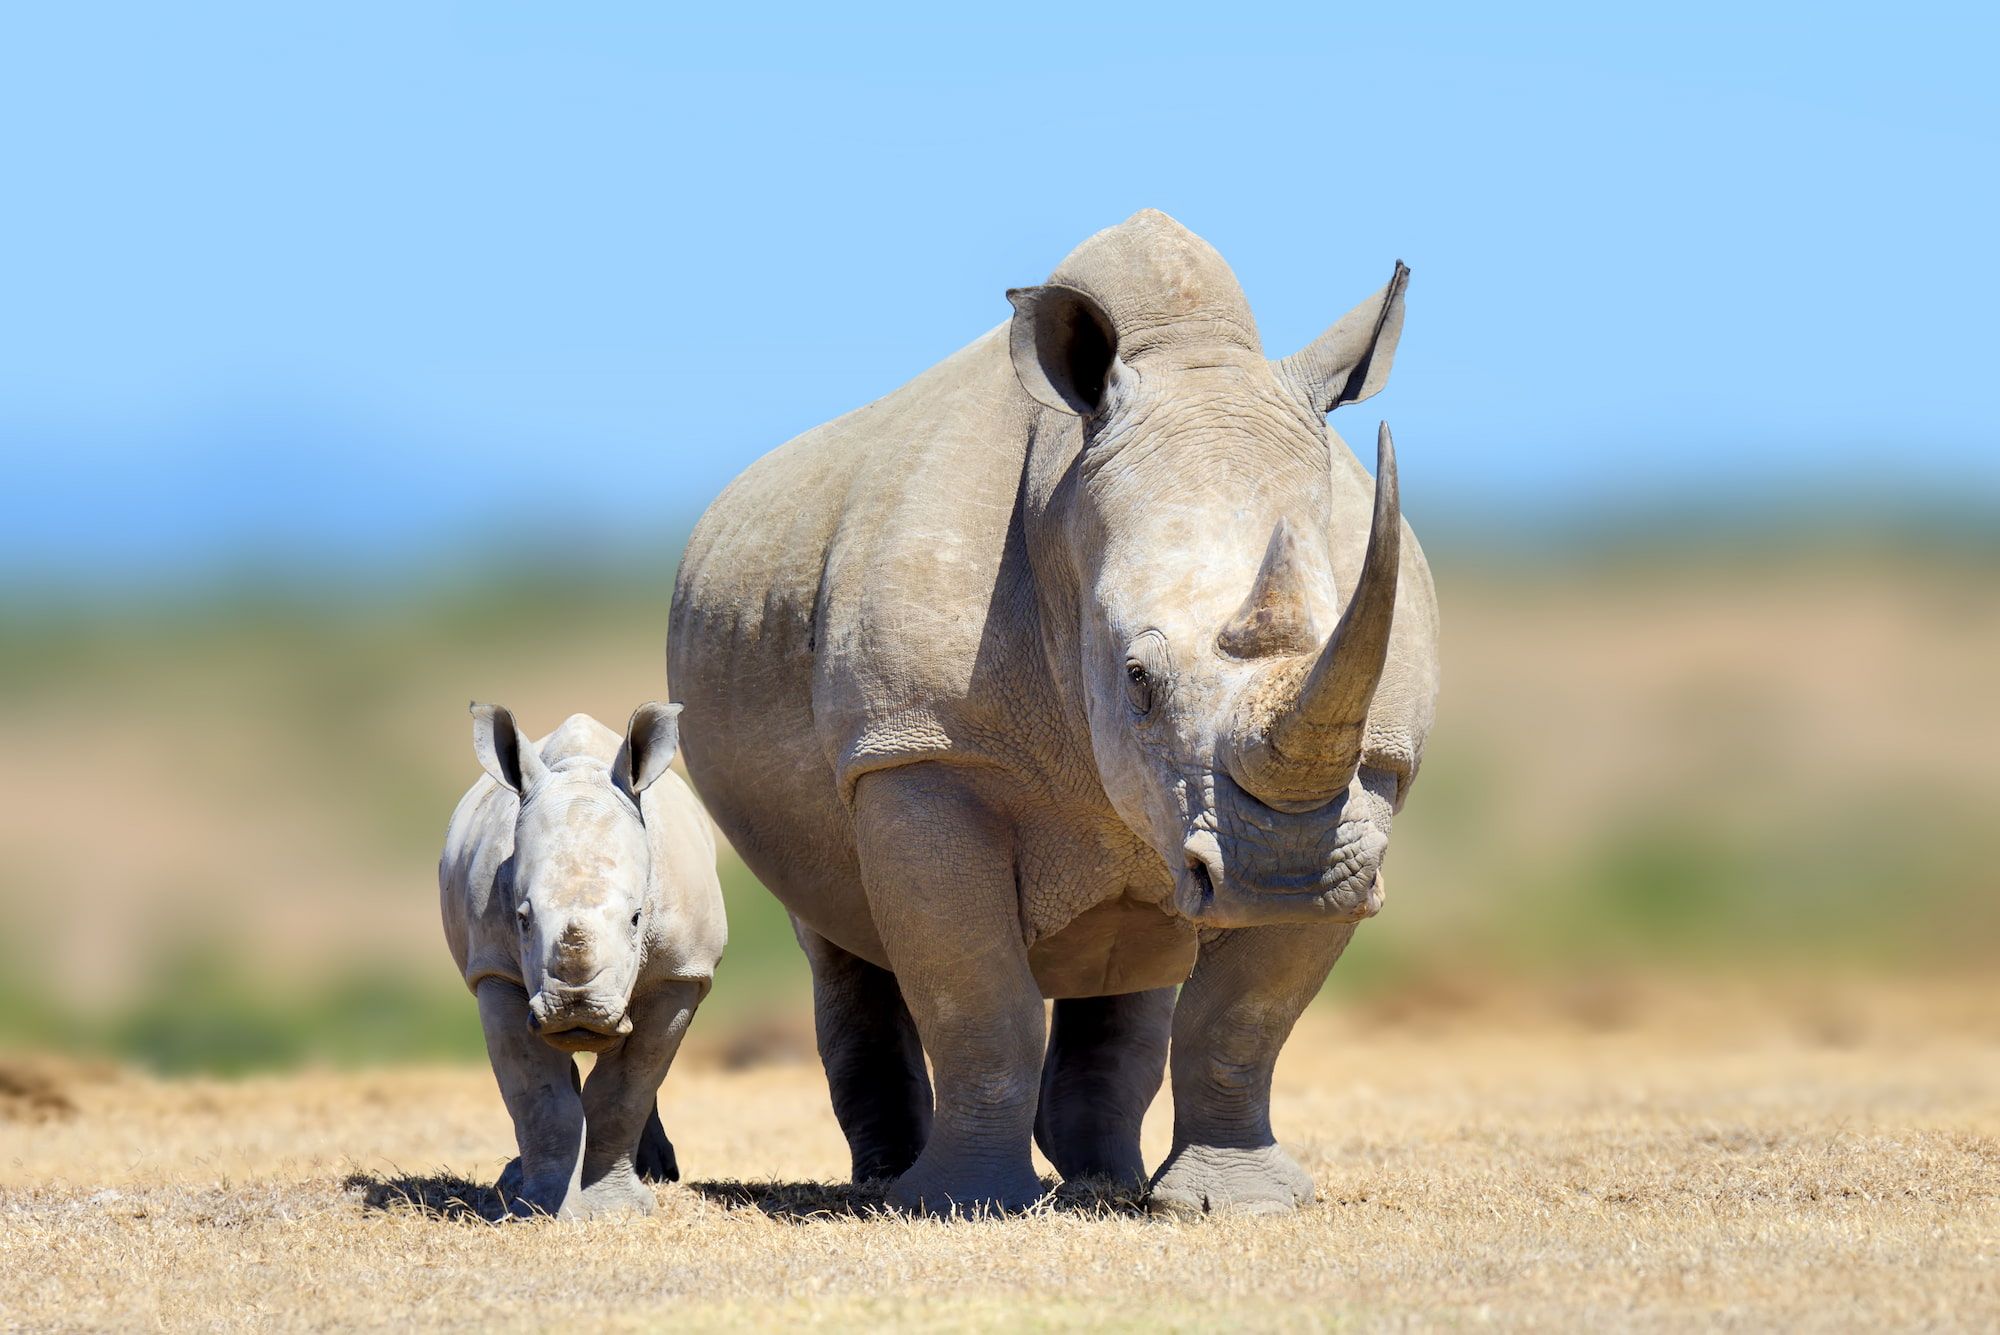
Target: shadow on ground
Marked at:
453, 1199
444, 1196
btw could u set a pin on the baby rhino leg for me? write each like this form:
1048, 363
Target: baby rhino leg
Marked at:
539, 1086
655, 1160
621, 1099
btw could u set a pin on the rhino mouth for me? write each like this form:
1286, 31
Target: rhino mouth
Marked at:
1215, 890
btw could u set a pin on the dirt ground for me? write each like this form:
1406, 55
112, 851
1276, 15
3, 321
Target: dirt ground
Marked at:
1677, 1159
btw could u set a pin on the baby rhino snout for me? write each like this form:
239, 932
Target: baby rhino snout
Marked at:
576, 1020
581, 1005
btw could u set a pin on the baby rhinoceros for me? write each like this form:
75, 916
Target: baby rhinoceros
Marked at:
581, 904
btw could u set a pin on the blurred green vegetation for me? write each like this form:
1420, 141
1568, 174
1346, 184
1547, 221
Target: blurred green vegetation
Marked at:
203, 1008
220, 830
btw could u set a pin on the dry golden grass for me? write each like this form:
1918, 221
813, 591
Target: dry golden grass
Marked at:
1666, 1158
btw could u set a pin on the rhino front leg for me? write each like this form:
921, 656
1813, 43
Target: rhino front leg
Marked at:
539, 1086
620, 1098
1248, 988
1106, 1058
874, 1060
937, 860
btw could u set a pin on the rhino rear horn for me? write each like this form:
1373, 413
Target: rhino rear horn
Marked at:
1276, 616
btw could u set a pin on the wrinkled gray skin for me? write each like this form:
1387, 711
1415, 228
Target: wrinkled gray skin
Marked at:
581, 904
1070, 669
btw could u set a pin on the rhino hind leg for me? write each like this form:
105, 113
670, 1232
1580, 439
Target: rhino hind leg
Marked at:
873, 1058
1107, 1057
655, 1160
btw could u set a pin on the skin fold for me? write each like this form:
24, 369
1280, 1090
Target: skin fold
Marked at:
1088, 665
581, 905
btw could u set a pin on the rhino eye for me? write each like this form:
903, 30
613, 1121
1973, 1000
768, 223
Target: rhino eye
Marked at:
635, 920
1139, 687
1146, 667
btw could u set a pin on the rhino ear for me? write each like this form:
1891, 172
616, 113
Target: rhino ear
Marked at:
1350, 361
1063, 347
504, 751
651, 739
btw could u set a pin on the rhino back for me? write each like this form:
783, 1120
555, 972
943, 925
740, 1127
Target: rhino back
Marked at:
928, 625
851, 571
739, 659
858, 599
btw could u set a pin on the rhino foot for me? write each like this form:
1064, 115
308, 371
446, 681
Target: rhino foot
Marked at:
1207, 1179
964, 1190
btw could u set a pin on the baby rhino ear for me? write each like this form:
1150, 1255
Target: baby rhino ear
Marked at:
651, 739
504, 751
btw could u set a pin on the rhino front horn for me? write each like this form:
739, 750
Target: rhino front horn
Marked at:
1298, 738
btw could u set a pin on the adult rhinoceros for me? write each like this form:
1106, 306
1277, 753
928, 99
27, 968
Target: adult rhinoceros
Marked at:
1036, 679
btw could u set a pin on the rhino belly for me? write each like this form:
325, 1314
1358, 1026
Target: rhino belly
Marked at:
1117, 947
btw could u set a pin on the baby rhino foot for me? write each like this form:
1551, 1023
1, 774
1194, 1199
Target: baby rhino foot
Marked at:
533, 1200
1206, 1179
615, 1193
618, 1192
655, 1162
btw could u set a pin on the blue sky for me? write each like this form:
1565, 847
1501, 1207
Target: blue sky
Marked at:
343, 284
